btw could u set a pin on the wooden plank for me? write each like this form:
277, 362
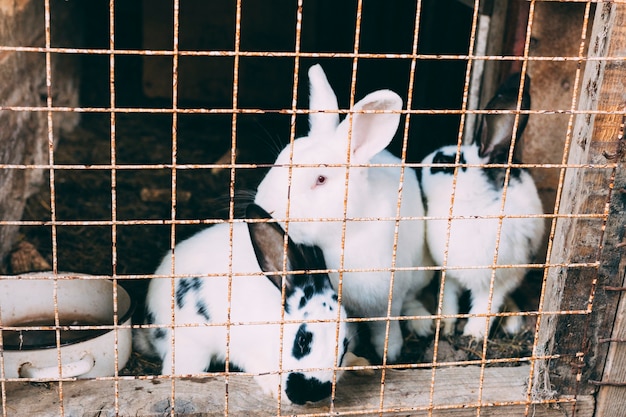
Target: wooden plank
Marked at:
611, 397
407, 393
556, 31
24, 135
612, 371
575, 337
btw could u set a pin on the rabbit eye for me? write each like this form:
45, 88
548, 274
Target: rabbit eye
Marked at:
321, 180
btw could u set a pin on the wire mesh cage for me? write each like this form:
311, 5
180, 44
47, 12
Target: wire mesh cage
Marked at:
312, 207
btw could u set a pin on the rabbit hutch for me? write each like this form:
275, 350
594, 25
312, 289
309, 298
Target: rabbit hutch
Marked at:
130, 126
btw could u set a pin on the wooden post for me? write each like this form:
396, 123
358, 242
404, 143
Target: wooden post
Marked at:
24, 135
611, 372
592, 243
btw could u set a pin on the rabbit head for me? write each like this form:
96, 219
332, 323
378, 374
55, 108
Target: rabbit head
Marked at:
491, 145
309, 178
314, 342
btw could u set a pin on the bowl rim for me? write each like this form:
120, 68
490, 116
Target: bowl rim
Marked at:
93, 333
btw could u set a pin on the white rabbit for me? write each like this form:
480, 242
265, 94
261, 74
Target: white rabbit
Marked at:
311, 310
479, 192
308, 184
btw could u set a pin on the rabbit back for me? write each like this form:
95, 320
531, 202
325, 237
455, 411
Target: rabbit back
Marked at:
247, 330
472, 240
200, 300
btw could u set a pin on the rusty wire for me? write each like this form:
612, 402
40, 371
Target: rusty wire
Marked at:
51, 147
355, 55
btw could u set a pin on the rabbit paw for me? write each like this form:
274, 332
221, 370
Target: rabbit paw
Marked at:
353, 360
421, 327
269, 385
448, 327
513, 324
475, 328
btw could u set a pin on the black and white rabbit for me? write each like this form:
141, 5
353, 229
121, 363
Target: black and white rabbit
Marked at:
479, 192
315, 337
308, 184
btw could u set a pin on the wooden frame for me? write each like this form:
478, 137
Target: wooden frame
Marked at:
572, 350
407, 393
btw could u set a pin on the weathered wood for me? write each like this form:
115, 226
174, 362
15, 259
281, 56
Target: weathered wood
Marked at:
587, 191
556, 31
612, 270
407, 393
611, 397
24, 135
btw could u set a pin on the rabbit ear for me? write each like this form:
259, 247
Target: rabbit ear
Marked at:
268, 243
495, 132
372, 132
321, 97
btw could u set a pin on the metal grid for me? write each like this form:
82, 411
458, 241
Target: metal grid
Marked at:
480, 404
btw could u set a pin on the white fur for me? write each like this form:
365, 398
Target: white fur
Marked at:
316, 211
472, 241
253, 348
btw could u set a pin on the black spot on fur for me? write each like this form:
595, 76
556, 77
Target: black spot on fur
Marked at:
196, 283
441, 158
301, 389
181, 291
302, 344
419, 180
184, 286
310, 284
202, 310
159, 333
220, 366
335, 297
496, 176
308, 291
345, 350
149, 318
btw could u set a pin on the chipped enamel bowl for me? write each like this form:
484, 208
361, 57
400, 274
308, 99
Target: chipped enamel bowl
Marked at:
29, 341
